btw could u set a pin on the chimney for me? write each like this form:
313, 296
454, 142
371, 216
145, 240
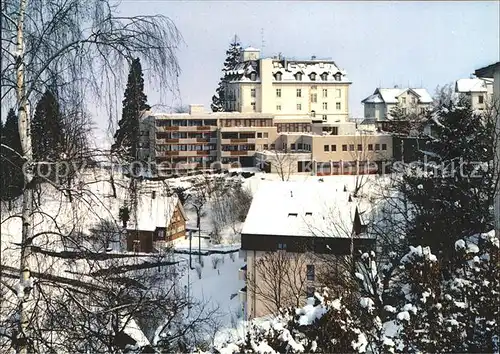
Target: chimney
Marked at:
195, 108
291, 194
313, 57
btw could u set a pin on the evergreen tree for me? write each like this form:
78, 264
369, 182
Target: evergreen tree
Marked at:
12, 162
47, 129
135, 101
453, 198
232, 59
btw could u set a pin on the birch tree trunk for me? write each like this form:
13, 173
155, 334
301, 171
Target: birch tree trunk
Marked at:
25, 137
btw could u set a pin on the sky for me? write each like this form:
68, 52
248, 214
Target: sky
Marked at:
379, 44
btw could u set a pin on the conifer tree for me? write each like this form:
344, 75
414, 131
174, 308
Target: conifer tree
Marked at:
134, 102
47, 129
232, 59
12, 162
453, 199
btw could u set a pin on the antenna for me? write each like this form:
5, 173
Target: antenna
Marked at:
263, 43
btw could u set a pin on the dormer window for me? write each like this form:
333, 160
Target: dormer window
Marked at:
313, 114
253, 76
312, 76
298, 76
278, 76
338, 77
324, 76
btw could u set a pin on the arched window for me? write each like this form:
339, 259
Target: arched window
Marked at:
338, 77
312, 76
324, 76
313, 114
253, 76
278, 76
298, 76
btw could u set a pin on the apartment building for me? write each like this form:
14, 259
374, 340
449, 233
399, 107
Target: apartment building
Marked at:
199, 139
379, 105
291, 229
352, 153
314, 90
207, 140
493, 72
478, 90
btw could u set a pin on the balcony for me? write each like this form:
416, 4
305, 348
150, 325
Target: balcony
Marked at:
202, 140
244, 140
167, 153
242, 273
240, 153
168, 141
205, 127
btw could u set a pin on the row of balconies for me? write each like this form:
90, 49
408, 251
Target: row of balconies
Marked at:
185, 141
186, 128
187, 153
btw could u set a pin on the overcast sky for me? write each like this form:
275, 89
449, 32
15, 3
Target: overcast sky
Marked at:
421, 44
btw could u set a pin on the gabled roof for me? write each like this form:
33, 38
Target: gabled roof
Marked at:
471, 85
488, 71
300, 209
390, 95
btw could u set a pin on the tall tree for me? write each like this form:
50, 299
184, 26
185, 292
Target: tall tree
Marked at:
135, 101
453, 198
47, 131
12, 162
232, 59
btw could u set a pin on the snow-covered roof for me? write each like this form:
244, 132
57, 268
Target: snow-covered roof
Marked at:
307, 208
251, 49
289, 69
390, 95
471, 85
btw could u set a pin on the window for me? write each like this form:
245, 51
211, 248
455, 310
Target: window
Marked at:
259, 135
298, 76
292, 146
266, 147
403, 100
278, 107
253, 106
384, 147
344, 147
314, 97
338, 93
335, 131
252, 92
282, 246
324, 76
325, 105
377, 147
480, 99
351, 147
313, 76
266, 135
370, 147
313, 114
413, 100
338, 76
273, 146
360, 147
299, 92
403, 110
325, 92
334, 147
337, 106
278, 92
278, 76
310, 291
326, 148
324, 117
253, 76
299, 107
422, 110
310, 272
